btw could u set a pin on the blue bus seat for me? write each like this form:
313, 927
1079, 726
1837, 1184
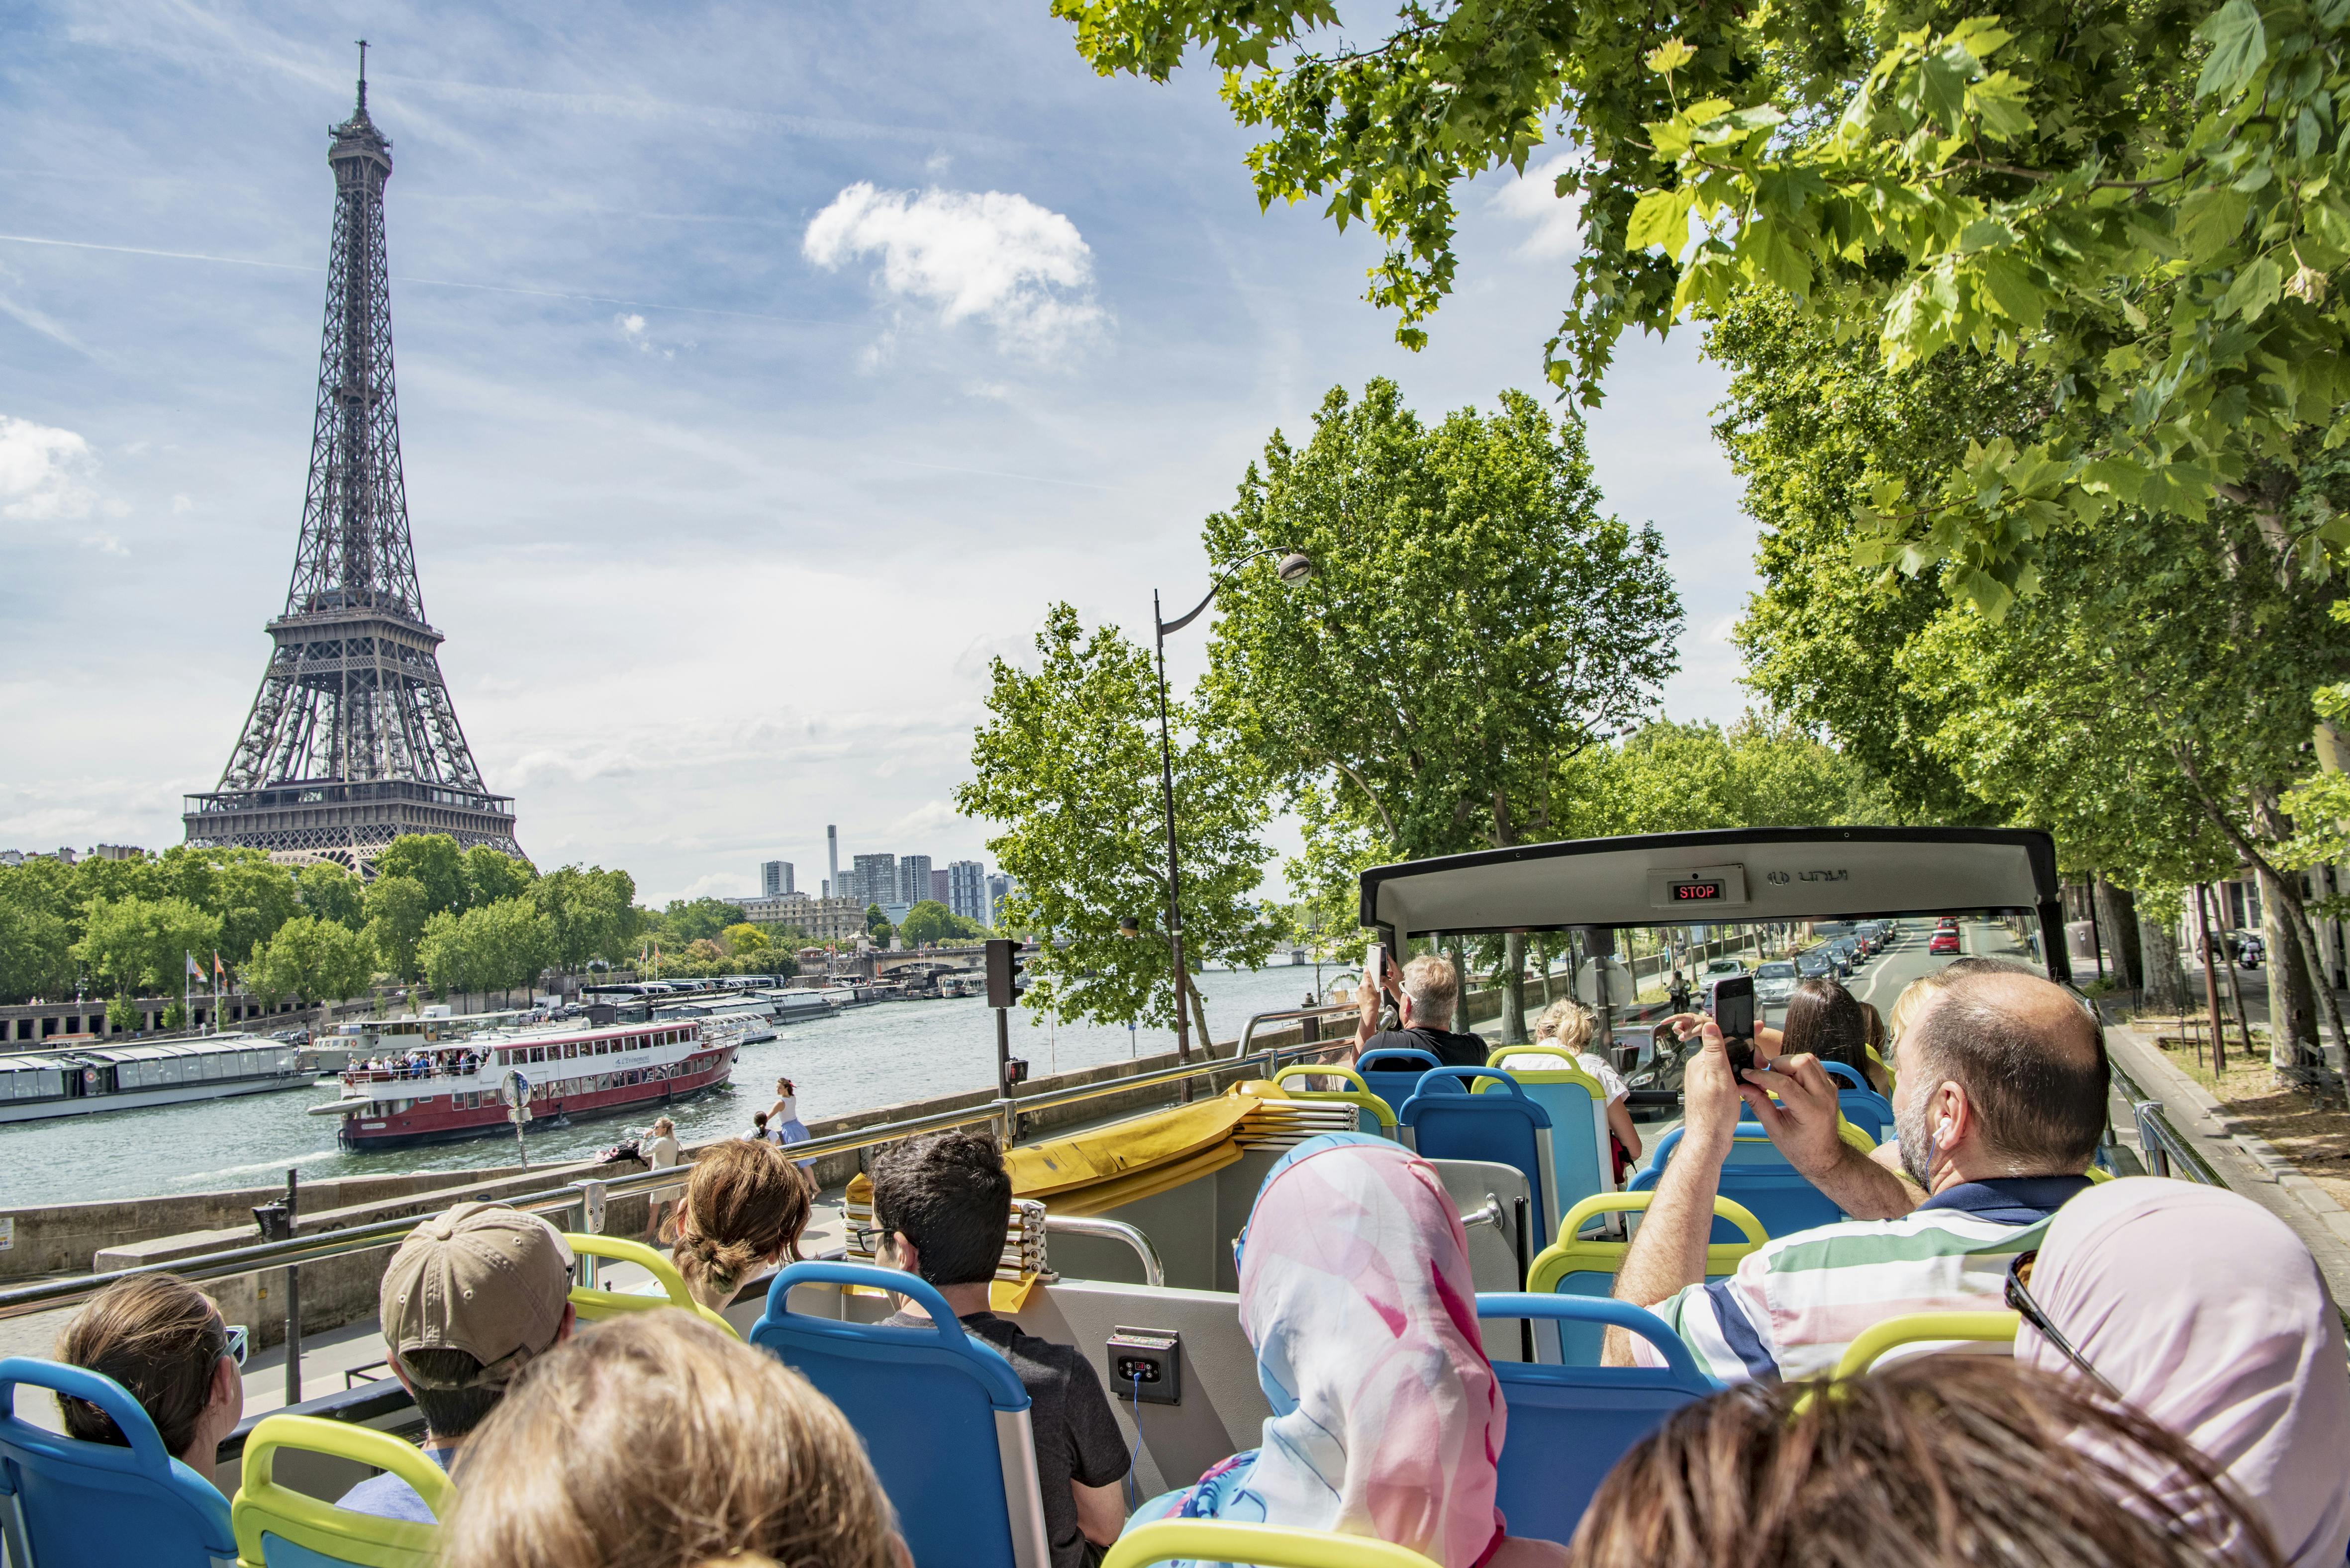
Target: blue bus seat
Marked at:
277, 1527
1507, 1129
1578, 1117
1757, 1176
1580, 1265
1392, 1073
1569, 1425
942, 1415
64, 1503
1863, 1107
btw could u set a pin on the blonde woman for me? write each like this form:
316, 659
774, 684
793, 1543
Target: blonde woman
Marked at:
745, 1207
653, 1440
1569, 1025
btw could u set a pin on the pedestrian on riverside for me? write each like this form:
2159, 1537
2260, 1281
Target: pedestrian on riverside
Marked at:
784, 1116
660, 1150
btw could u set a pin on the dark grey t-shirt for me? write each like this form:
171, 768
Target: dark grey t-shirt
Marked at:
1452, 1050
1076, 1437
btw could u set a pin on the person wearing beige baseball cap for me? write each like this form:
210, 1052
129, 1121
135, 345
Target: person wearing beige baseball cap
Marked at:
470, 1298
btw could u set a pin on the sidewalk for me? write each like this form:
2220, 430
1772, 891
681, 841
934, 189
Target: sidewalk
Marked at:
2247, 1163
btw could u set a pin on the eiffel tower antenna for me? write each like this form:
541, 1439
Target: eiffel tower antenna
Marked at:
352, 740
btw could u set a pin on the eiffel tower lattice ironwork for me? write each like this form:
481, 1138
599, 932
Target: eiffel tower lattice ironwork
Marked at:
352, 740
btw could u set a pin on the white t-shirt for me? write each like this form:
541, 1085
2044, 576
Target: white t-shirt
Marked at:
786, 1109
660, 1152
1611, 1083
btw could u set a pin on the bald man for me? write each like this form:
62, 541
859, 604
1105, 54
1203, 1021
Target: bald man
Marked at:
1998, 1105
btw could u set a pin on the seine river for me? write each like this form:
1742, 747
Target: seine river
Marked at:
867, 1056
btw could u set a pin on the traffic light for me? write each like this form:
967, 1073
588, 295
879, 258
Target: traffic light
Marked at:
1007, 975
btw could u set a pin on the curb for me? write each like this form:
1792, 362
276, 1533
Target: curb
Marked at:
2179, 1091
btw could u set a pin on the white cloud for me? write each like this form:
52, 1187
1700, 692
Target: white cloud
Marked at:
46, 473
1533, 198
997, 256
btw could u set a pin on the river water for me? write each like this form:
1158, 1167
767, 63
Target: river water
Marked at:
864, 1058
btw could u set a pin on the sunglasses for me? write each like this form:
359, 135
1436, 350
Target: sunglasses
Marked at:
237, 1340
2019, 1300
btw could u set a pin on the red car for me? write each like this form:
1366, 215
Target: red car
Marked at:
1943, 942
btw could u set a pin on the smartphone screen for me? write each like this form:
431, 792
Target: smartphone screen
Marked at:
1375, 964
1733, 1005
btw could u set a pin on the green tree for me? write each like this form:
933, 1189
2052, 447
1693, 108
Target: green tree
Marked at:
331, 893
124, 1014
250, 894
1668, 777
1069, 763
398, 910
742, 939
432, 861
491, 876
593, 913
1474, 623
501, 947
311, 958
449, 955
930, 922
34, 956
143, 945
2138, 196
685, 922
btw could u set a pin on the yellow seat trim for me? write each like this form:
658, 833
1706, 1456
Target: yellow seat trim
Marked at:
593, 1305
264, 1508
1572, 1255
1919, 1327
1265, 1545
1359, 1096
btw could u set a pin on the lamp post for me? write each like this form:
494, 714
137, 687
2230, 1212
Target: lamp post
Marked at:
1295, 567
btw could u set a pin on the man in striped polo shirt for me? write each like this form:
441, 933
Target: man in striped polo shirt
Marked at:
1998, 1105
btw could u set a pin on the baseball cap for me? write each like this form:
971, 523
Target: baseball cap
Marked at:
483, 1278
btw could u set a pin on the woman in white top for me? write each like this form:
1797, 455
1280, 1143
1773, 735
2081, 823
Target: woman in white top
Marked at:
660, 1150
784, 1116
1569, 1026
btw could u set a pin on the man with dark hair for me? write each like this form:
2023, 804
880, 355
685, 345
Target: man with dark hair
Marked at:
470, 1299
1998, 1105
941, 1206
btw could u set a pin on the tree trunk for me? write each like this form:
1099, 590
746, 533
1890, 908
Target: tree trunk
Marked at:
2118, 923
1199, 1018
2293, 1005
1513, 989
2164, 982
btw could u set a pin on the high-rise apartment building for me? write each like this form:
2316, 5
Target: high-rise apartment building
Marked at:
913, 878
999, 887
873, 879
938, 887
967, 889
776, 878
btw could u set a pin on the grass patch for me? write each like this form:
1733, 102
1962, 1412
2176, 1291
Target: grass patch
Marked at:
2312, 1133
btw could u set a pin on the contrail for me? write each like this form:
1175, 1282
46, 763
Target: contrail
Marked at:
433, 281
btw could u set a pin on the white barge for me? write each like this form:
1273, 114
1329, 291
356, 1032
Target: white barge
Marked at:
67, 1078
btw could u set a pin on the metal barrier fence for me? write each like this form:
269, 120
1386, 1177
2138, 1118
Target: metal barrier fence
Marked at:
2167, 1150
584, 1201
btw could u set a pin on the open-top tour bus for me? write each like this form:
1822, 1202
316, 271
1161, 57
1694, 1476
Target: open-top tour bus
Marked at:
1121, 1241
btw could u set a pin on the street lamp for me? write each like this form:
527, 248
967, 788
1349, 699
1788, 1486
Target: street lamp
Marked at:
1293, 567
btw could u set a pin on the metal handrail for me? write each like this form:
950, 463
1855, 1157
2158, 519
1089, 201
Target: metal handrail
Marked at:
2172, 1153
1154, 1274
1248, 1030
71, 1290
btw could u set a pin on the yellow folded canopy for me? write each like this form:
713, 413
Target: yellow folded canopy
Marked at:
1098, 1169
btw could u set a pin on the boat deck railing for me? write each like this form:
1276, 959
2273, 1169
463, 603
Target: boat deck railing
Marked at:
581, 1205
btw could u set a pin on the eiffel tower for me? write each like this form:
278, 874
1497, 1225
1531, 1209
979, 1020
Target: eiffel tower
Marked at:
352, 740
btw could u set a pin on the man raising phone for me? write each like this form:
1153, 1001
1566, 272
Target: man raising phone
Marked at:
1426, 993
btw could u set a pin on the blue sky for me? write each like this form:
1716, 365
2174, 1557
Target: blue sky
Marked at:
762, 371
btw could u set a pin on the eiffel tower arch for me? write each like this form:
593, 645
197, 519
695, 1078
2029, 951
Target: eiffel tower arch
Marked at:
352, 739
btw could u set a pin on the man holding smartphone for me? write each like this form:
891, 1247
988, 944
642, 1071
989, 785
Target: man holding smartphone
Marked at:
1426, 993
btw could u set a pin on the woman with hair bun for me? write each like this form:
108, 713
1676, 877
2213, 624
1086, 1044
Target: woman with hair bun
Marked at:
745, 1207
163, 1340
653, 1440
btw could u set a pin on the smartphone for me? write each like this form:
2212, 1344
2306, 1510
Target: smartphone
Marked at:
1375, 967
1733, 1006
1740, 1049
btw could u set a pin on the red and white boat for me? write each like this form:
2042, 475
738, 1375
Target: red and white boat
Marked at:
460, 1090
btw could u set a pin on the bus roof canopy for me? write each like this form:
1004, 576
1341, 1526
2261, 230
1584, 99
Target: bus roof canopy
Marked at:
1718, 876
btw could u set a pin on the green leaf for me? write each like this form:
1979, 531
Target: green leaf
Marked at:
2254, 290
2210, 221
1998, 102
2009, 282
1669, 56
2240, 46
1660, 218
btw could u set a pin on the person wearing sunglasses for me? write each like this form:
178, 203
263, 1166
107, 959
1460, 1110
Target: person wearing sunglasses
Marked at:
2203, 1310
164, 1341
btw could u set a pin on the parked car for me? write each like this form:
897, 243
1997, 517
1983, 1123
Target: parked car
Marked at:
1847, 954
1943, 941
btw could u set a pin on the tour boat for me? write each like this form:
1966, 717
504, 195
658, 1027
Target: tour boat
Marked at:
69, 1078
466, 1089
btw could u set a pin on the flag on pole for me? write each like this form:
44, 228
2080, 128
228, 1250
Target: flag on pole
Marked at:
220, 970
194, 969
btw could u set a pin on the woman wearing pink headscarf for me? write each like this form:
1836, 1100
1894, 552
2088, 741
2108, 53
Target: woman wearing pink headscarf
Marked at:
2205, 1311
1386, 1418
